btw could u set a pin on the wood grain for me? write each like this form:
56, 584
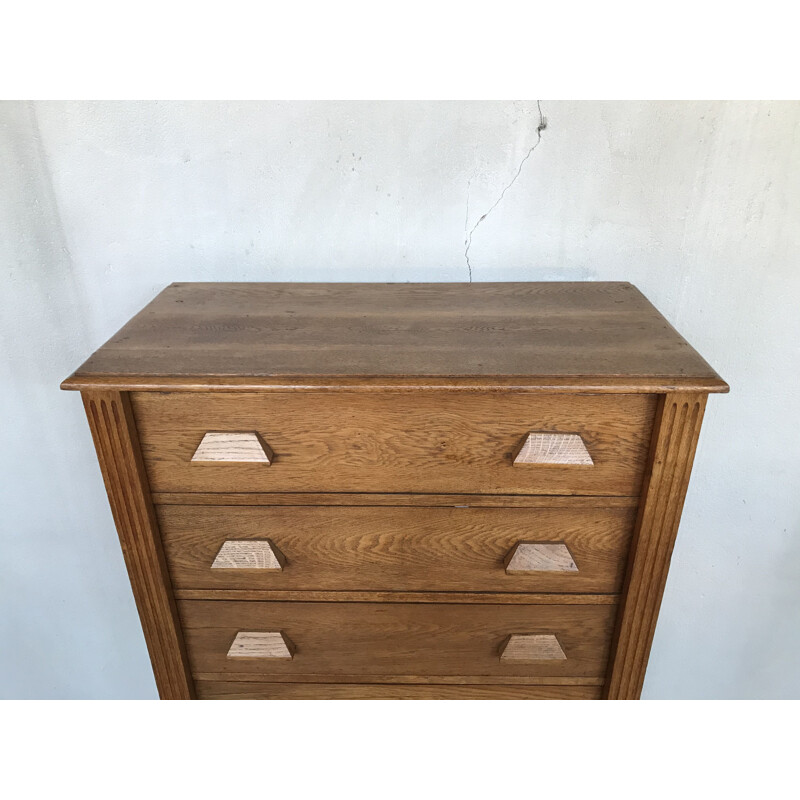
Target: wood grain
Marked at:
533, 332
397, 638
396, 443
403, 548
531, 648
527, 557
233, 447
114, 434
261, 644
675, 440
540, 449
242, 690
261, 554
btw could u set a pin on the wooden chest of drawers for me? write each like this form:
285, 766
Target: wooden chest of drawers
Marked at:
397, 490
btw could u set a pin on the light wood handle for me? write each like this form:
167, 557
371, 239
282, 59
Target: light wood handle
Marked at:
234, 447
522, 647
260, 554
526, 557
539, 448
262, 644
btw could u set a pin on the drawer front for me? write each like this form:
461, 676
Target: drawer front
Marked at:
247, 690
395, 442
397, 639
354, 548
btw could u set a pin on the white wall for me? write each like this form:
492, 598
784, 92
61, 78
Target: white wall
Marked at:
103, 204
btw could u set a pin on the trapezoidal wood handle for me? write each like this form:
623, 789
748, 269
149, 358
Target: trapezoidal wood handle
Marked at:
260, 554
540, 448
526, 647
233, 447
526, 557
262, 644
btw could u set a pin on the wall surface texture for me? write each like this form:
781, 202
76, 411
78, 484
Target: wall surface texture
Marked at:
103, 204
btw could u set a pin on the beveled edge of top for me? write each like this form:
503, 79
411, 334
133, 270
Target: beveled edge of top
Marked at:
544, 384
617, 384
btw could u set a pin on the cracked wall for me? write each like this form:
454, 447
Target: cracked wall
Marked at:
541, 125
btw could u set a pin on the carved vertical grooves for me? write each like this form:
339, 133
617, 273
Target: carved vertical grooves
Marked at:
676, 431
114, 433
650, 545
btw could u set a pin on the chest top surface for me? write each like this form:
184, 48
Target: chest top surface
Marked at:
570, 336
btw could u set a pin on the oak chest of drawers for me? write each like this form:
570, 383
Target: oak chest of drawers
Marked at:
397, 490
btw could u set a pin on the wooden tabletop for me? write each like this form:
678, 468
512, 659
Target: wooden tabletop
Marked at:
538, 336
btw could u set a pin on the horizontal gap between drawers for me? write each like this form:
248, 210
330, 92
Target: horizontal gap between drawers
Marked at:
383, 499
443, 680
478, 598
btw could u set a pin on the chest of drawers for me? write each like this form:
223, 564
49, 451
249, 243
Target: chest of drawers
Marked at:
397, 490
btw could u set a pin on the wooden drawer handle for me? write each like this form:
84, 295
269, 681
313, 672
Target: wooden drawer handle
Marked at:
521, 647
539, 448
249, 554
261, 644
539, 557
241, 447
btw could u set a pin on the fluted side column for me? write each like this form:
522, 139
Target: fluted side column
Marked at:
114, 433
677, 428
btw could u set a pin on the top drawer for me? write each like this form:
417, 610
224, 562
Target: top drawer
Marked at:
395, 442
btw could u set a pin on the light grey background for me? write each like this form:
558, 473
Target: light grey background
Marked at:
698, 204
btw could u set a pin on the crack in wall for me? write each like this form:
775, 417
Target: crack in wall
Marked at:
468, 240
466, 229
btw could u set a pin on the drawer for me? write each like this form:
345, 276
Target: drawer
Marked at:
397, 639
435, 442
246, 690
353, 548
